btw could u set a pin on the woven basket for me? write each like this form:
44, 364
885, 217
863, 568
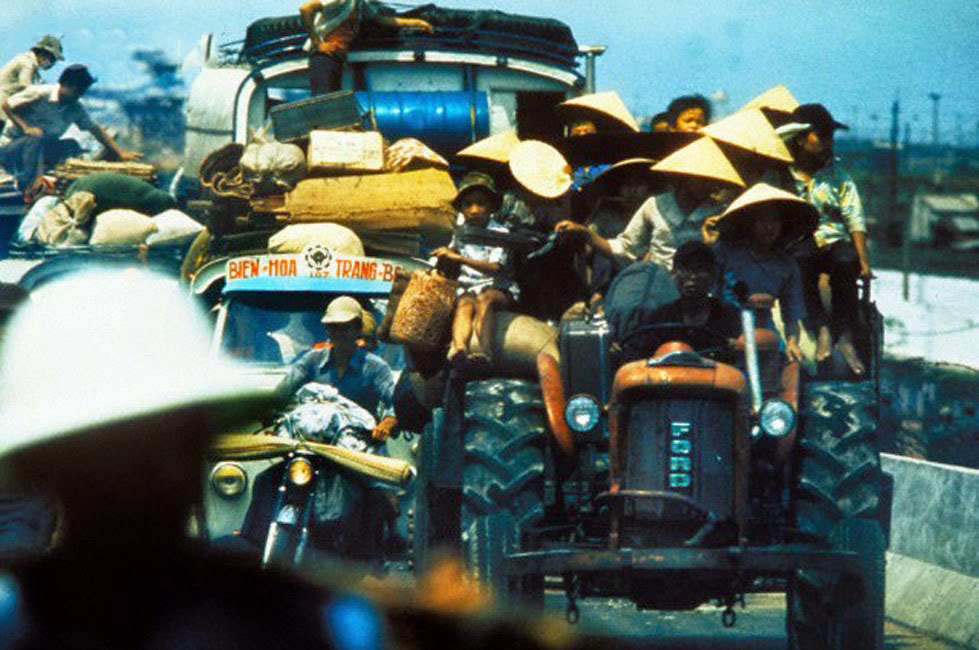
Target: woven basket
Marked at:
424, 314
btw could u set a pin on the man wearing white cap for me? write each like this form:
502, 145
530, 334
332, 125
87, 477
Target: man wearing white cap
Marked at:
359, 375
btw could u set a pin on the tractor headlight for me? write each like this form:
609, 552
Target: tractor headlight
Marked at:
300, 472
582, 413
229, 480
776, 418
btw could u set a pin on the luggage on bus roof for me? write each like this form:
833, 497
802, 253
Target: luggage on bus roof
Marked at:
487, 31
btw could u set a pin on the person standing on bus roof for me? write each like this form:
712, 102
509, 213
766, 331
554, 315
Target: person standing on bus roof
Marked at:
333, 25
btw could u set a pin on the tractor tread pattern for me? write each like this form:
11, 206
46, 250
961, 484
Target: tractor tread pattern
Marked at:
838, 481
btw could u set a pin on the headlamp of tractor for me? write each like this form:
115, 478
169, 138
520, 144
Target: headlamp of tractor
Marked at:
776, 419
229, 480
300, 472
582, 413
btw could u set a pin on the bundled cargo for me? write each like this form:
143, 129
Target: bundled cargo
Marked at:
65, 223
121, 227
272, 167
173, 228
75, 168
345, 151
297, 238
417, 201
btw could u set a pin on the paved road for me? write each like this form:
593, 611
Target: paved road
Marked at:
761, 626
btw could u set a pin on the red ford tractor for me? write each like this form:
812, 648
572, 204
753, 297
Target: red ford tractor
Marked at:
695, 474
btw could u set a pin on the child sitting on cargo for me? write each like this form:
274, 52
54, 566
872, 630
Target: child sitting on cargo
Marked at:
749, 239
485, 274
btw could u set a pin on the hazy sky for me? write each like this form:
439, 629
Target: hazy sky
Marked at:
853, 56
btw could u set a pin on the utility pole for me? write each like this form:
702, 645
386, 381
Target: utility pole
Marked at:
893, 220
934, 97
591, 52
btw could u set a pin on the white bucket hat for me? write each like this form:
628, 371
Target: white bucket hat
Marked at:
102, 348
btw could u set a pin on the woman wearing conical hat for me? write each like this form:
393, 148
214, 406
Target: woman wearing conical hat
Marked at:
699, 172
749, 241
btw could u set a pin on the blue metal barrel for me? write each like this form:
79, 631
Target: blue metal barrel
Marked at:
445, 121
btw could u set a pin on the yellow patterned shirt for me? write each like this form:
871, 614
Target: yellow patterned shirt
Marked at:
835, 196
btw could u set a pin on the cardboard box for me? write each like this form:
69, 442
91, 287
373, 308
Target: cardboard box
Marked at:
345, 151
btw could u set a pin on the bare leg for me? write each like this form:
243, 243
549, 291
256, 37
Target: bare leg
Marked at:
845, 346
462, 325
487, 302
824, 343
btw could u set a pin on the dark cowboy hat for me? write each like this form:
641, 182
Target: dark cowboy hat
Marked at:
799, 217
77, 76
611, 147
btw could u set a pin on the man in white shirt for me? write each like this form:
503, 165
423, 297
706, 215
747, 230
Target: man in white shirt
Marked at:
24, 69
38, 116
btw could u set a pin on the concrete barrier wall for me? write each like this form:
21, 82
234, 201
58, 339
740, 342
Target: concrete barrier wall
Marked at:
935, 517
933, 563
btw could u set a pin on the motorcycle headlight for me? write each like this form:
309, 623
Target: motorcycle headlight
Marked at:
228, 480
776, 418
582, 413
300, 472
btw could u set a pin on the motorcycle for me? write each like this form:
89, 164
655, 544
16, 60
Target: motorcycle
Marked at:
328, 489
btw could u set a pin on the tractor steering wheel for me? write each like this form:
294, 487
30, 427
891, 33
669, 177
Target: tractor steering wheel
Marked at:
704, 341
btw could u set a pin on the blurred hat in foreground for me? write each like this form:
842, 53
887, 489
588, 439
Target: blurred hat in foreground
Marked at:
129, 345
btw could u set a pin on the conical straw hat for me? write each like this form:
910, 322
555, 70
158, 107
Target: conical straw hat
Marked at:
603, 107
540, 168
749, 130
702, 158
799, 217
776, 99
496, 147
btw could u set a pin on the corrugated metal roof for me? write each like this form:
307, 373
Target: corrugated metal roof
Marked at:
951, 202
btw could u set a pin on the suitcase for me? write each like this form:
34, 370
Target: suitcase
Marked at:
585, 363
331, 111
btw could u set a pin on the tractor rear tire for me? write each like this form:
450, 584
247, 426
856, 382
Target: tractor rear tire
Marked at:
837, 501
502, 481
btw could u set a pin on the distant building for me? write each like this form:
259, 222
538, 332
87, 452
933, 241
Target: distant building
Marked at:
945, 220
